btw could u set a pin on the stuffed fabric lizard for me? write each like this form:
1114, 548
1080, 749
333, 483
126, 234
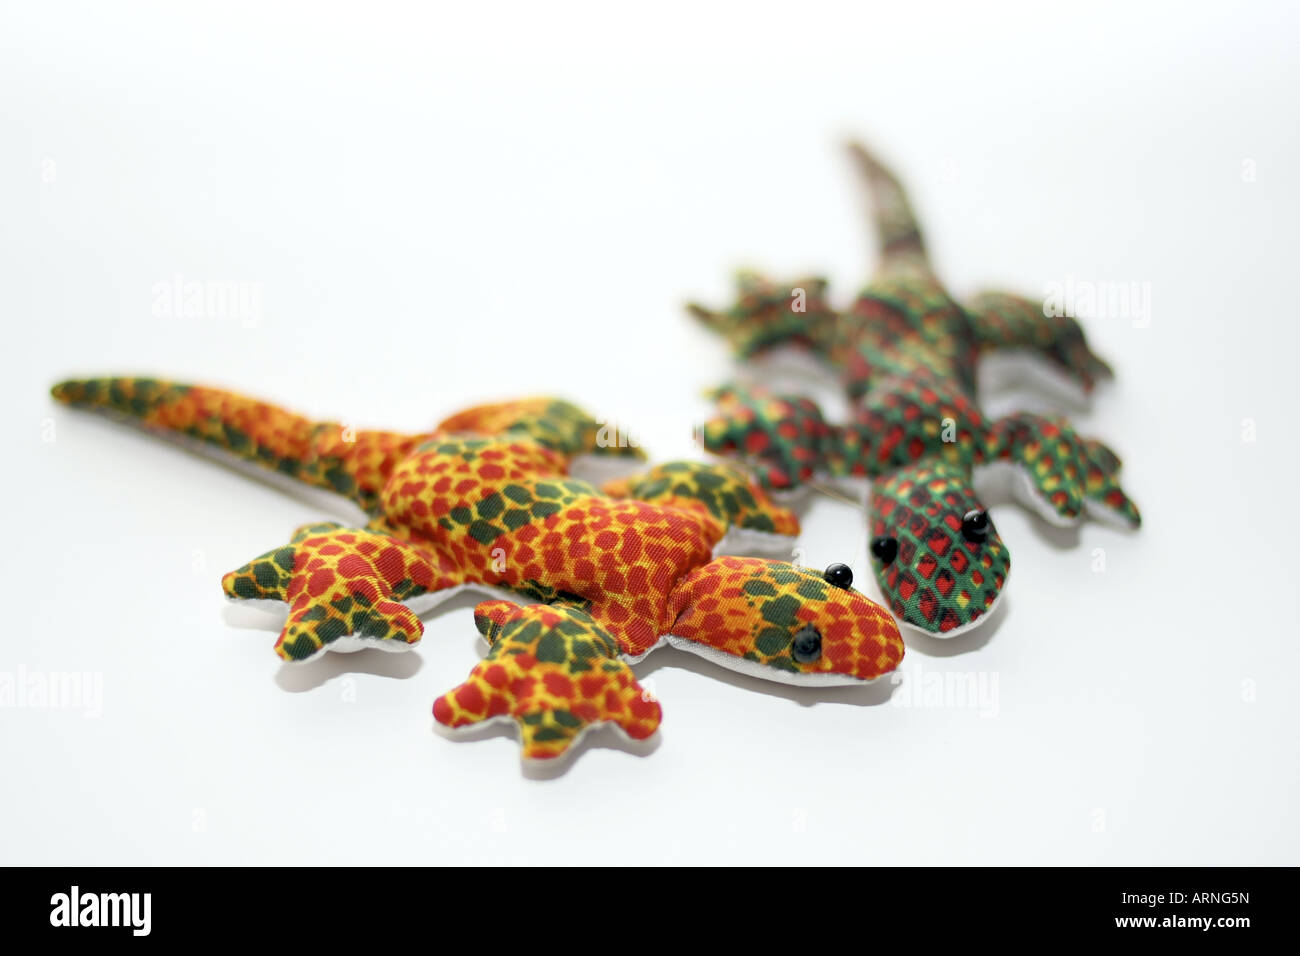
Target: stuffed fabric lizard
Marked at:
594, 580
905, 353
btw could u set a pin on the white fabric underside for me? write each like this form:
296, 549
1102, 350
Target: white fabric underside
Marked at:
749, 541
1004, 369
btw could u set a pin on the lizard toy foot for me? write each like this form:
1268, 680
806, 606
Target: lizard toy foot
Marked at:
343, 587
1105, 498
1063, 475
767, 314
783, 439
555, 672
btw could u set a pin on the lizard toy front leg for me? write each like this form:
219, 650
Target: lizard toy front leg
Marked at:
555, 673
721, 491
1063, 476
784, 439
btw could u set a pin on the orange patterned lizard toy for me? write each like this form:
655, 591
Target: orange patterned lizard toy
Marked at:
592, 580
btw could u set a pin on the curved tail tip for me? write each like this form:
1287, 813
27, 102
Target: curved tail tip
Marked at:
865, 158
67, 391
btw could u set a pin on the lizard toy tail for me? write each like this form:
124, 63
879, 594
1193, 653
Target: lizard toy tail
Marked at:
338, 458
902, 245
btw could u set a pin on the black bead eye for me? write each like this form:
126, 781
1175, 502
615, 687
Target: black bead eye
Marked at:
975, 526
884, 548
807, 645
839, 575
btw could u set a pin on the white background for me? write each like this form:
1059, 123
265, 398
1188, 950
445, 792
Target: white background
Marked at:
448, 207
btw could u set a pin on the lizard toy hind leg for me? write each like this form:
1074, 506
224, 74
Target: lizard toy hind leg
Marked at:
768, 314
1025, 330
783, 439
345, 588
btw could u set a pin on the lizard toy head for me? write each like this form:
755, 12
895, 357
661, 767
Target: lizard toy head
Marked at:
937, 557
783, 623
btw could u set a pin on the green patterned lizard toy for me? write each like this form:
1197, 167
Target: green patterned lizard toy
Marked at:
905, 352
586, 581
